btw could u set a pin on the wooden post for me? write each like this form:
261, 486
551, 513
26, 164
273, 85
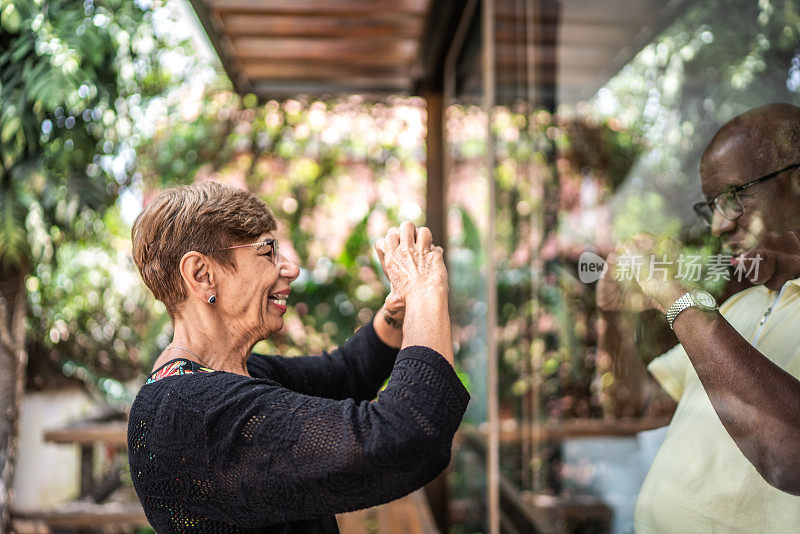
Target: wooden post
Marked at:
493, 407
438, 492
87, 469
435, 207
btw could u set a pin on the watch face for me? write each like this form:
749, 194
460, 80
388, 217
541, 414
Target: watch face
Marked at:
704, 299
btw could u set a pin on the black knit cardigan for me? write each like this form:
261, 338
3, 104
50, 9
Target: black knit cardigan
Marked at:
303, 439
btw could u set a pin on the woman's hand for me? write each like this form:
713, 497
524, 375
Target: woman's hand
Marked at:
411, 263
394, 307
415, 268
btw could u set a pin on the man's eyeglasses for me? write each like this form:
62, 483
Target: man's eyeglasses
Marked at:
268, 248
728, 202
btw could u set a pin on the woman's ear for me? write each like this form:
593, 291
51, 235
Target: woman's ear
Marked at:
197, 272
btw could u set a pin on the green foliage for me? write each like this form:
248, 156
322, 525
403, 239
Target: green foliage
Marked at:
73, 75
91, 314
66, 69
328, 170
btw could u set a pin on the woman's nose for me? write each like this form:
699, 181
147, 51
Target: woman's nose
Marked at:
288, 269
721, 225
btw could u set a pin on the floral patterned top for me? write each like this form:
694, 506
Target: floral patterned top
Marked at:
177, 367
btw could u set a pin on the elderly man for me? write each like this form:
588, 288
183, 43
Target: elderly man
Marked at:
730, 461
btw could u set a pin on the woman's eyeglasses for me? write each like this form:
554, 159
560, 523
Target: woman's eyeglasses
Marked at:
268, 248
728, 202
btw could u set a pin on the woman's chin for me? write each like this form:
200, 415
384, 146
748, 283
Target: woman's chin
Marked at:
275, 325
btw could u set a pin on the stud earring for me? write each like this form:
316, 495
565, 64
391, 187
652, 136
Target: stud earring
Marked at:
212, 299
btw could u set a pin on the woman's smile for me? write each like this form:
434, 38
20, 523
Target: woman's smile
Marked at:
277, 300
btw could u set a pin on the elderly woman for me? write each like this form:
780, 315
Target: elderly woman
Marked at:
222, 440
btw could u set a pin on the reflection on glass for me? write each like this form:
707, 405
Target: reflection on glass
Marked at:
588, 151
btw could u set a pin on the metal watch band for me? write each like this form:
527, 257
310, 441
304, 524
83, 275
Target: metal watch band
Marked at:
685, 301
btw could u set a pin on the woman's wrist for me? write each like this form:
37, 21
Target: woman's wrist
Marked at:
425, 305
427, 322
427, 293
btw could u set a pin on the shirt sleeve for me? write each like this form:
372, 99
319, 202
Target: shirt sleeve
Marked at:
270, 455
670, 369
356, 370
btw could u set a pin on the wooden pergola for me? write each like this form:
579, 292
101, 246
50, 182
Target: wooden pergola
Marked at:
277, 48
281, 48
566, 49
544, 52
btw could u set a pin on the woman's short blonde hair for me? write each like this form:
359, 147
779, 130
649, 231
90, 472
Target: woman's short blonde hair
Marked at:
203, 217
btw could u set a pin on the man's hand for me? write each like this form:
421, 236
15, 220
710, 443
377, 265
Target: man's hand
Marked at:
614, 295
651, 281
774, 261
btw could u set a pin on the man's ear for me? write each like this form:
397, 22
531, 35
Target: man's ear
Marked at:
197, 272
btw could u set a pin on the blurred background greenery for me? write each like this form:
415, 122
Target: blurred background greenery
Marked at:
126, 107
105, 103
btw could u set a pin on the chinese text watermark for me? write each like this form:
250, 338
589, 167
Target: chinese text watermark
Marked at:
686, 268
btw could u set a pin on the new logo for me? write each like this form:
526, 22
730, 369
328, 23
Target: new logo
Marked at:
591, 267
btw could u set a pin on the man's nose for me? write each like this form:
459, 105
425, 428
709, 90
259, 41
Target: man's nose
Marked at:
288, 269
721, 225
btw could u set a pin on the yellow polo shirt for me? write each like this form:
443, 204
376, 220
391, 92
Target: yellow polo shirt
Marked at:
700, 481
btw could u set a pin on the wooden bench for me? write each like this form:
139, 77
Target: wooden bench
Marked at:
89, 511
522, 512
87, 435
409, 515
78, 515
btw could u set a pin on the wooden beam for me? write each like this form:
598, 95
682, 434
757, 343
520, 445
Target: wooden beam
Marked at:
573, 428
336, 7
359, 51
589, 12
398, 83
237, 25
565, 56
564, 78
81, 515
571, 34
287, 89
211, 25
256, 70
113, 433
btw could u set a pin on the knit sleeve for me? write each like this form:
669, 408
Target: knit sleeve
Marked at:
270, 455
353, 371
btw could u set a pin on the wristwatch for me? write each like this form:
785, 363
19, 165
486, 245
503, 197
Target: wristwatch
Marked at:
702, 300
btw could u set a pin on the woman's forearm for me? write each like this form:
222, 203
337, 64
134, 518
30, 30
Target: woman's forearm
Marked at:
427, 321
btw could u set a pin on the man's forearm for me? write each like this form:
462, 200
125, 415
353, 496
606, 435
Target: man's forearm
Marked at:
756, 400
616, 340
